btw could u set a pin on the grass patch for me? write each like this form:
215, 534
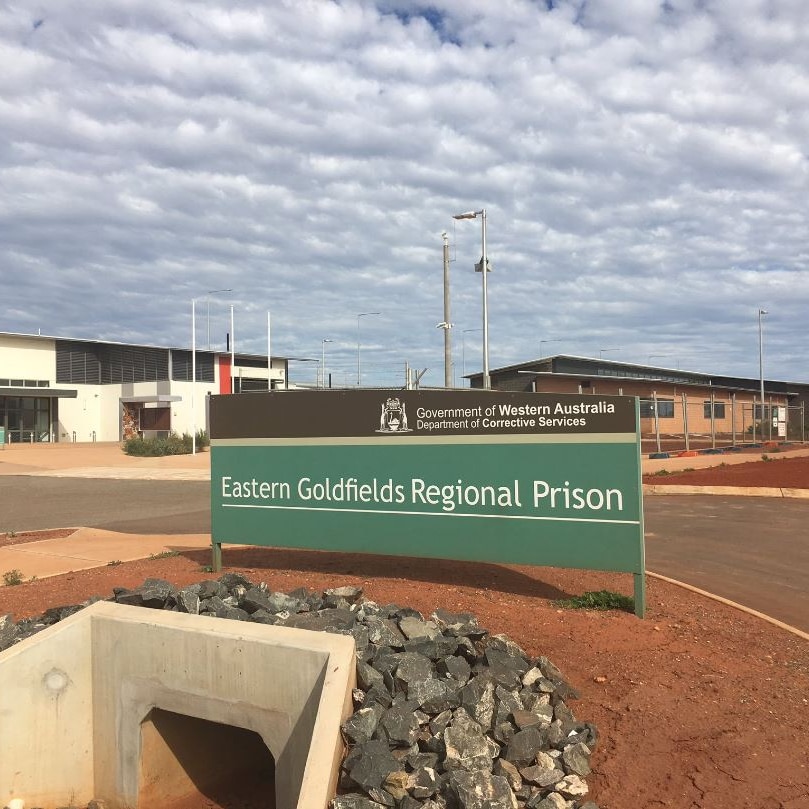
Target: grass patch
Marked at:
12, 577
598, 600
206, 569
164, 555
114, 563
661, 473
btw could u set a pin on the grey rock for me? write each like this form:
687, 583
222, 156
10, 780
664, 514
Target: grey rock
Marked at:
556, 735
477, 696
552, 801
384, 632
211, 605
434, 696
434, 648
350, 593
524, 719
354, 800
322, 620
265, 617
378, 693
362, 724
208, 589
418, 760
188, 601
478, 790
541, 776
396, 783
413, 628
506, 703
423, 782
525, 744
454, 667
367, 676
508, 771
372, 764
576, 759
466, 747
439, 723
232, 580
232, 613
399, 726
8, 631
256, 598
458, 623
504, 732
413, 667
571, 786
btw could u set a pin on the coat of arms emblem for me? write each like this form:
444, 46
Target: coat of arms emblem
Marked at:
393, 418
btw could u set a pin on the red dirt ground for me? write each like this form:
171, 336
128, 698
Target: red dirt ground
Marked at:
777, 472
699, 706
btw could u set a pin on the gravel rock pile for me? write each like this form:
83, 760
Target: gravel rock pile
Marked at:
446, 715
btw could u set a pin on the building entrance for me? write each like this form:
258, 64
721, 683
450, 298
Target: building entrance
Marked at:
26, 418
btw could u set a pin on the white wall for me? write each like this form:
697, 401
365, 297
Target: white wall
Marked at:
27, 358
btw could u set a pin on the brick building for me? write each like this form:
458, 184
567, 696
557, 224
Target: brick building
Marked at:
685, 402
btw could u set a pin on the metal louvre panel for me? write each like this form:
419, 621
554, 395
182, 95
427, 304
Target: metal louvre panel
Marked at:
77, 363
181, 366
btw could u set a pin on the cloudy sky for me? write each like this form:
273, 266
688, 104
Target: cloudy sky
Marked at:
642, 163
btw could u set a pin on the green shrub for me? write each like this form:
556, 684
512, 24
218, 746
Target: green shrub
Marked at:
172, 444
598, 600
12, 577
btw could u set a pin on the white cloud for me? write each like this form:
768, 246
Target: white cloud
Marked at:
643, 166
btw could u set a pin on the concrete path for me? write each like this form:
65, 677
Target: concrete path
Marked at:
88, 548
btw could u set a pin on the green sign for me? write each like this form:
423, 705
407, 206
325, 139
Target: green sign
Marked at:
3, 437
520, 478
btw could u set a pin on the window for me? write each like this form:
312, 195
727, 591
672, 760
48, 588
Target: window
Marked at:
665, 408
757, 415
718, 410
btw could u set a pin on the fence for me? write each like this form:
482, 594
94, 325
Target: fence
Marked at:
681, 422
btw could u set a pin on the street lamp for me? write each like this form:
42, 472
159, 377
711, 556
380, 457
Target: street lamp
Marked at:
463, 348
359, 366
542, 342
761, 365
208, 310
603, 351
484, 269
323, 358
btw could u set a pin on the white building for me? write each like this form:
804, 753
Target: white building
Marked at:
55, 389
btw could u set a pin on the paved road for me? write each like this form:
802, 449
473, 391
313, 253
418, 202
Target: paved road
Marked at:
129, 506
751, 550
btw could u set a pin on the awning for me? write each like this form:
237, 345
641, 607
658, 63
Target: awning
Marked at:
159, 397
41, 393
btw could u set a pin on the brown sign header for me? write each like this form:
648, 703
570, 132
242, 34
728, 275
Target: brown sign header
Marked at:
422, 413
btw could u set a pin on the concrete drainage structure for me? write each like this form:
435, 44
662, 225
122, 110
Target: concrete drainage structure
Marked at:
116, 702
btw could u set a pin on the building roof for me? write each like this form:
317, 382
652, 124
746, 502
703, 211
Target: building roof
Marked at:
576, 366
51, 338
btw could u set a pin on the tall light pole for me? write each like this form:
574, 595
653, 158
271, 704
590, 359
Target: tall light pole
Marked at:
193, 375
359, 366
484, 269
194, 362
446, 324
208, 310
463, 348
603, 351
542, 342
761, 364
323, 358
